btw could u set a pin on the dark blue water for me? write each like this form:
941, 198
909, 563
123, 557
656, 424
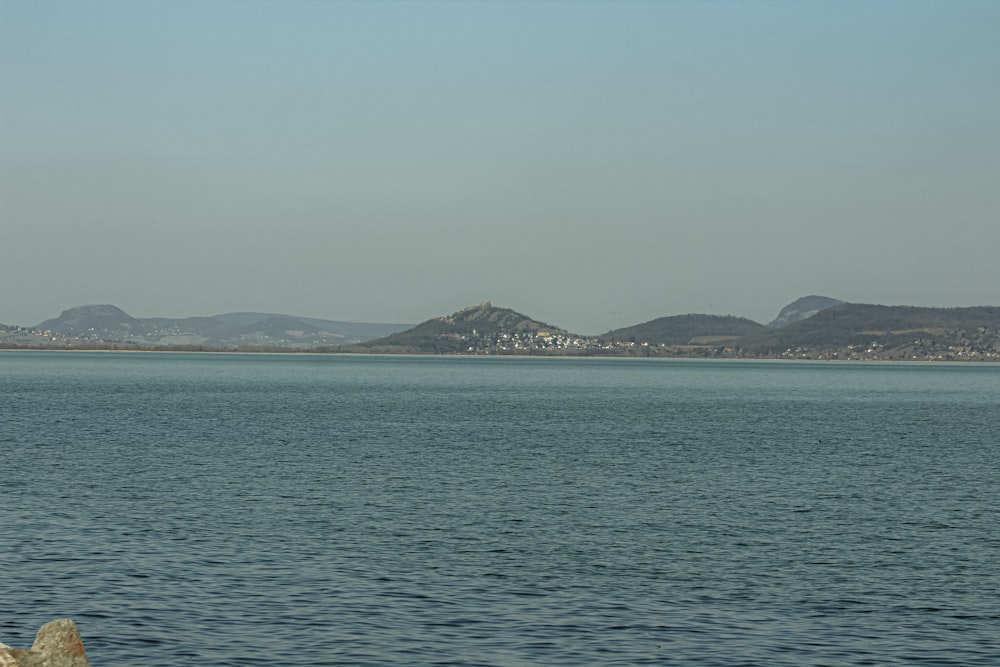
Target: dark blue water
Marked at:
348, 510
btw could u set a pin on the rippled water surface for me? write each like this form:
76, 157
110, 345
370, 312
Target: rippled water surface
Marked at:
348, 510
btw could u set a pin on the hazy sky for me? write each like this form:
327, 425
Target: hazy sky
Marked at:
590, 164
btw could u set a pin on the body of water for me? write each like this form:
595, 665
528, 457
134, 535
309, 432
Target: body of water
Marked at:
224, 509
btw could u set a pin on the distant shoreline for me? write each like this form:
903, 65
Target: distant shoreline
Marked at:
817, 328
825, 358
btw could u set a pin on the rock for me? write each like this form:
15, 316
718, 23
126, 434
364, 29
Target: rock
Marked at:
801, 309
57, 644
7, 658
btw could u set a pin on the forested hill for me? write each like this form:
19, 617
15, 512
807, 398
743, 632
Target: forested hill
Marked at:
686, 330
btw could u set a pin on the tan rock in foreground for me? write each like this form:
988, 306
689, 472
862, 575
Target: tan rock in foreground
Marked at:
57, 644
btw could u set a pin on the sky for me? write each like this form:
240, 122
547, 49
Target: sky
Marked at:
589, 164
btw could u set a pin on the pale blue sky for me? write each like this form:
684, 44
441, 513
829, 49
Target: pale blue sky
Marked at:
591, 164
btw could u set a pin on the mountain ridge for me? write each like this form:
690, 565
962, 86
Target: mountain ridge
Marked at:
813, 328
818, 329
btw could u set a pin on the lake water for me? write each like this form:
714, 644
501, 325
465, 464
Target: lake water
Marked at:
224, 509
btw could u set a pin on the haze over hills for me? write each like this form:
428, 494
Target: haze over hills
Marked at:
109, 323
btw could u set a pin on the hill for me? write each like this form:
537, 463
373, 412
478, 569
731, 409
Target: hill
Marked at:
892, 331
95, 318
482, 329
687, 330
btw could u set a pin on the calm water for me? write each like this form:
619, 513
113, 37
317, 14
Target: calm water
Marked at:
347, 510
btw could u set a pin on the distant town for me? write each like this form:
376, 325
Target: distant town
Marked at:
562, 344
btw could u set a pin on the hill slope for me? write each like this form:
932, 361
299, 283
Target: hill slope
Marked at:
686, 330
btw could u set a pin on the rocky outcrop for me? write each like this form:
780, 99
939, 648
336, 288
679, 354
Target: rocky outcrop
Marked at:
801, 309
57, 644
